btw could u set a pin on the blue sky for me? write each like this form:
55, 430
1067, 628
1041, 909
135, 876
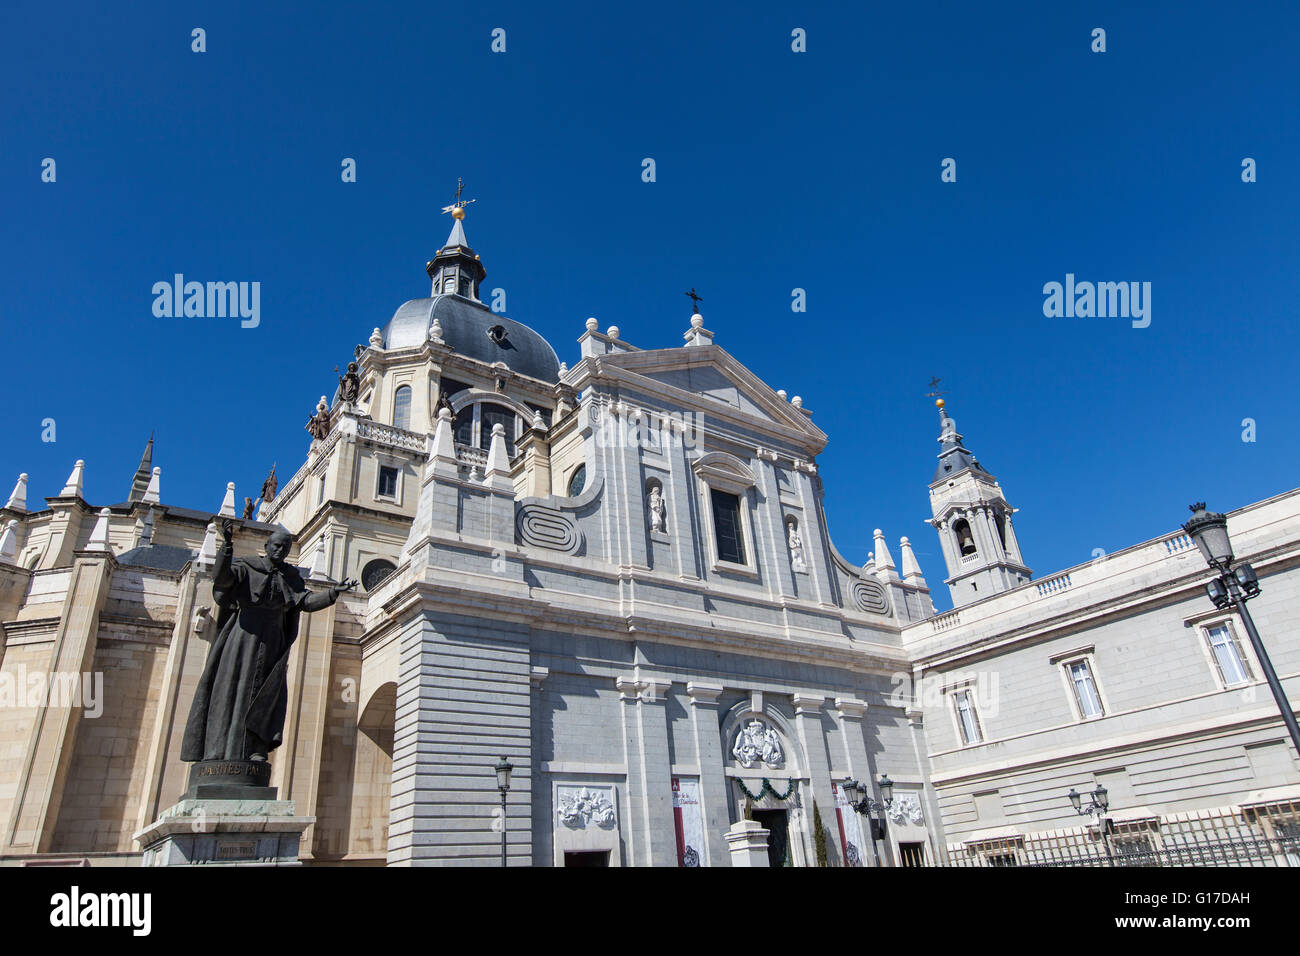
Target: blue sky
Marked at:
775, 170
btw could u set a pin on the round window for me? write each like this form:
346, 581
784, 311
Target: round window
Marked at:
577, 481
374, 573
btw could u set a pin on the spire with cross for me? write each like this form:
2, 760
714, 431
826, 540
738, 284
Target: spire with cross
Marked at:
695, 301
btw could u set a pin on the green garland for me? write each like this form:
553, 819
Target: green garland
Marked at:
766, 788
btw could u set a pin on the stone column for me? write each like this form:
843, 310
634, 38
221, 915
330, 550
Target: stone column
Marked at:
682, 491
38, 793
808, 725
165, 774
630, 506
656, 773
638, 850
853, 728
815, 549
773, 556
297, 764
930, 802
713, 779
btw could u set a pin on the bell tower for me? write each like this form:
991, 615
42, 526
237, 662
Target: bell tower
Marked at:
973, 519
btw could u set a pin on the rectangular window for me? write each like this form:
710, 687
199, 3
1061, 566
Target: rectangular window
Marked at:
726, 527
491, 415
967, 719
387, 482
1085, 689
1226, 651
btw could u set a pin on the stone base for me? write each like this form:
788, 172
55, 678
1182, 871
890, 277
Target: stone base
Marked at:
230, 780
747, 842
224, 833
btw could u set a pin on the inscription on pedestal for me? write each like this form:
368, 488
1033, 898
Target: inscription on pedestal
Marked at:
237, 851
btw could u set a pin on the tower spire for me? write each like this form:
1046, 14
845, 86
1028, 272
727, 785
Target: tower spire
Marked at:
973, 519
140, 483
456, 269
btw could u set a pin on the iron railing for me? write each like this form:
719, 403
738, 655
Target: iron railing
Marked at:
1259, 835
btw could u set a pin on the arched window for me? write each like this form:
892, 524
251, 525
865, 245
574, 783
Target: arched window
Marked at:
402, 407
462, 426
965, 540
577, 481
374, 573
1000, 522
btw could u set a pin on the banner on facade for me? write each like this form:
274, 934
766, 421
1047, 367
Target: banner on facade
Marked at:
689, 821
850, 828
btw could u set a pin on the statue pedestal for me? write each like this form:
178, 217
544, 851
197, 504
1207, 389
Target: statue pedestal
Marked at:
205, 831
747, 842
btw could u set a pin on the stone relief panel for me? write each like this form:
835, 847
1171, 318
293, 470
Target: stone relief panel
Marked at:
870, 597
582, 807
906, 809
541, 527
758, 744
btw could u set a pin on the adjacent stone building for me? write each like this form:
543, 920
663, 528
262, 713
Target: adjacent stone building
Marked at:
619, 575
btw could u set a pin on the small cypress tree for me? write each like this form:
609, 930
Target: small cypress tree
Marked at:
819, 835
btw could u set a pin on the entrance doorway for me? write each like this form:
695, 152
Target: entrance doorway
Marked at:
776, 822
586, 858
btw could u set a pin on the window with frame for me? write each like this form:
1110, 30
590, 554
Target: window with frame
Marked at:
1225, 650
727, 529
387, 487
577, 481
968, 721
490, 415
1086, 697
402, 407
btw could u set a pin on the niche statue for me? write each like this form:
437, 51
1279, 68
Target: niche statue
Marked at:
238, 714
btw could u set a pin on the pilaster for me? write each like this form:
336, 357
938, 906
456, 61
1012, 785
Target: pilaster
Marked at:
707, 727
52, 739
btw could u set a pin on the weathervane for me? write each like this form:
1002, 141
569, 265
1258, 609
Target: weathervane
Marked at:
695, 299
457, 208
934, 388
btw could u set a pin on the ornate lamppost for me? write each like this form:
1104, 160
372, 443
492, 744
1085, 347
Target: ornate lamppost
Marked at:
1097, 806
860, 800
503, 768
1233, 587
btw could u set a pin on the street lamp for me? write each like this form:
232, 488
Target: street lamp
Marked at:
1233, 587
1099, 803
504, 768
860, 802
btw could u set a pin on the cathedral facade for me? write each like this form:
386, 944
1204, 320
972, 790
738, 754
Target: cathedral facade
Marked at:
618, 576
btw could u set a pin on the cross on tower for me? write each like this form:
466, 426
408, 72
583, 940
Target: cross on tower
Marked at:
459, 203
934, 388
695, 299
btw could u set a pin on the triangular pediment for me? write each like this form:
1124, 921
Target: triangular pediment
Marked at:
715, 381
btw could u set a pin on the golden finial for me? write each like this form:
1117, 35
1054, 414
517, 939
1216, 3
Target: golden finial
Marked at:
939, 403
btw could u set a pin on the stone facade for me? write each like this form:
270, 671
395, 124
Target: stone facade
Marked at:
619, 576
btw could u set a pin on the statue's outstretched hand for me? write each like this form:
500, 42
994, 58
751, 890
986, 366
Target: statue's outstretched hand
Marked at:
227, 531
347, 585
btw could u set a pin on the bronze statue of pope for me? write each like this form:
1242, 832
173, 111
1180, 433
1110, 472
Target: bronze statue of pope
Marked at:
239, 707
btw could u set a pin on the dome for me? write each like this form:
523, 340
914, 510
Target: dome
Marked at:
475, 331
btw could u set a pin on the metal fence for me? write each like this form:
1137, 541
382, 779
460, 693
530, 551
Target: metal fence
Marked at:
1266, 834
